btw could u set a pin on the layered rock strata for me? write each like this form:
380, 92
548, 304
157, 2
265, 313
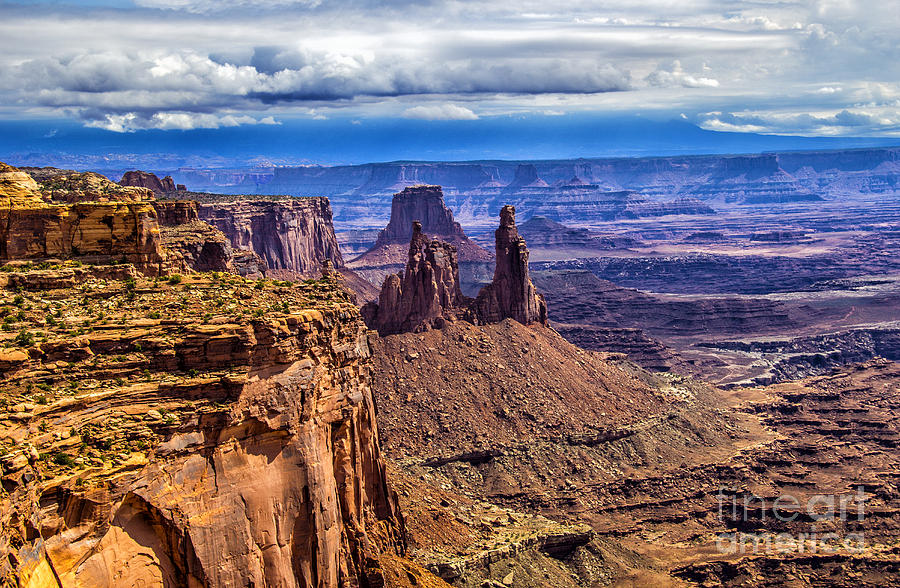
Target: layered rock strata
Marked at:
158, 446
294, 234
80, 215
160, 187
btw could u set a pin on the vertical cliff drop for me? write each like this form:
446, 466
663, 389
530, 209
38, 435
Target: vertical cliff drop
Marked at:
201, 430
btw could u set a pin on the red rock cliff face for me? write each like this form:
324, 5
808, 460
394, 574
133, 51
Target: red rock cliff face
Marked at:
511, 293
246, 454
295, 234
426, 295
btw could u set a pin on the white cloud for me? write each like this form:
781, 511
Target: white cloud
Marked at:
208, 6
183, 121
190, 63
673, 75
860, 121
440, 112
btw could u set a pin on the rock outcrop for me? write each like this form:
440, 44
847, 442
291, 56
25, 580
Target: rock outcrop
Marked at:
294, 234
426, 295
193, 245
511, 293
161, 448
160, 187
77, 215
423, 204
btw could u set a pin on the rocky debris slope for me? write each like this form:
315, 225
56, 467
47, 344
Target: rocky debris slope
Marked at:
160, 187
77, 215
203, 431
474, 543
645, 351
426, 295
517, 417
511, 293
293, 234
424, 204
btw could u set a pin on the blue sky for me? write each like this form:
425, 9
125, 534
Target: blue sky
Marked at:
326, 81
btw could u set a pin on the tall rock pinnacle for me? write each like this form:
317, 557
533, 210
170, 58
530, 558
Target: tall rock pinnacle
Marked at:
511, 293
425, 295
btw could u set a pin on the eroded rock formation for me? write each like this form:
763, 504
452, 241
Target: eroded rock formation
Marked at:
160, 187
167, 449
511, 293
294, 234
426, 295
424, 204
193, 245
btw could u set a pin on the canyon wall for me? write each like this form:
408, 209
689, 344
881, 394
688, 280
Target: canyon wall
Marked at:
82, 215
478, 189
294, 234
163, 448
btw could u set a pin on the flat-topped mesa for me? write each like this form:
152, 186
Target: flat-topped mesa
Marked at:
511, 293
160, 187
426, 295
424, 204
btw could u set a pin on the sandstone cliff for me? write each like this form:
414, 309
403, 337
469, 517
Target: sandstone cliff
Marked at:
426, 295
160, 187
145, 443
511, 293
424, 204
294, 234
78, 215
193, 245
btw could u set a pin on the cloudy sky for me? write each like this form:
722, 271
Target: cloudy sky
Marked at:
816, 68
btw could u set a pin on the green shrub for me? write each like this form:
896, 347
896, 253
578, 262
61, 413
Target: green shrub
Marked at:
63, 459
